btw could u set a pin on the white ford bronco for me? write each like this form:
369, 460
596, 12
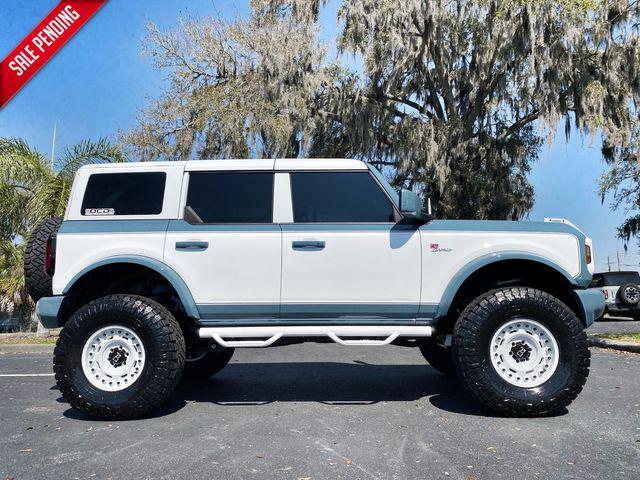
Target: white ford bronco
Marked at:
158, 271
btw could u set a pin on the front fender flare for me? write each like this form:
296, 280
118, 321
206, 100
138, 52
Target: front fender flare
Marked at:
470, 268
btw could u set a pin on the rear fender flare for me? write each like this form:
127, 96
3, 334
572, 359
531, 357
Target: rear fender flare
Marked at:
167, 272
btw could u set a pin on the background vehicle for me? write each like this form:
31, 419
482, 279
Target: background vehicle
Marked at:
9, 325
163, 267
621, 292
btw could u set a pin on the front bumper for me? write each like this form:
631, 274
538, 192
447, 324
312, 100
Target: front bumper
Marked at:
47, 310
591, 302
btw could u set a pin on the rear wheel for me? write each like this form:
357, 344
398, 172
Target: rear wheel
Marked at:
38, 258
119, 357
205, 359
521, 352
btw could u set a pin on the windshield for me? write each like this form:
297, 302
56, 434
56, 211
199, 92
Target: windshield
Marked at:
385, 184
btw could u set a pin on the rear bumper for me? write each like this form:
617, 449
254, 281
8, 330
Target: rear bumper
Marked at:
591, 301
47, 310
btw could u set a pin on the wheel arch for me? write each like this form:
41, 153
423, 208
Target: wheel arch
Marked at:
160, 268
507, 269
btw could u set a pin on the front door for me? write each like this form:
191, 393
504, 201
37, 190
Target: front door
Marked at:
344, 257
227, 248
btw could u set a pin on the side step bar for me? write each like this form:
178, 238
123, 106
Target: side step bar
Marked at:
383, 334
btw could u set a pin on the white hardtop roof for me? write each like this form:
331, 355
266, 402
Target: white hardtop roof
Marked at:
277, 164
284, 164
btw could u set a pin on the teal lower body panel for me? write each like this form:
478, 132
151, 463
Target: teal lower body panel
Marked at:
591, 302
339, 310
312, 314
231, 311
264, 322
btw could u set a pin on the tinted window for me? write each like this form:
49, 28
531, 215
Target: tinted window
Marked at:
235, 197
613, 279
124, 194
338, 197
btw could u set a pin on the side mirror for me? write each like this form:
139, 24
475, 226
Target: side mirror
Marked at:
411, 205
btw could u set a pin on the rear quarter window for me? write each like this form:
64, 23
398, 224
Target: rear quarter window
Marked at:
114, 194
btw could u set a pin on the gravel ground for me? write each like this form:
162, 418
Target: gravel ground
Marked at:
322, 412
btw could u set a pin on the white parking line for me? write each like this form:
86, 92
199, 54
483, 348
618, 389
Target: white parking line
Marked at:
26, 374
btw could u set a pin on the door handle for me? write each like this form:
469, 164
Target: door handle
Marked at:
308, 245
193, 246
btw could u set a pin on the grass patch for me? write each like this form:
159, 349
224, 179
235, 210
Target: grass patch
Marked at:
22, 340
622, 337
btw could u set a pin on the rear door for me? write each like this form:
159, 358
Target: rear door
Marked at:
344, 256
226, 247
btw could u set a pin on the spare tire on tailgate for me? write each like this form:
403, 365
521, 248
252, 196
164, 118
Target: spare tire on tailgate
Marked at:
629, 294
39, 258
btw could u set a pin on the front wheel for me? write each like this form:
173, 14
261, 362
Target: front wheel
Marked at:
439, 357
119, 357
521, 352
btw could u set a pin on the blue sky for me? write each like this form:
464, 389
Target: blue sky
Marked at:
96, 83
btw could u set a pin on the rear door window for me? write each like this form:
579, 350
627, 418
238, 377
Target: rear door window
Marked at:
134, 193
230, 197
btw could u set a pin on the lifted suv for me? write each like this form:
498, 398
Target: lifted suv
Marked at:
160, 270
621, 292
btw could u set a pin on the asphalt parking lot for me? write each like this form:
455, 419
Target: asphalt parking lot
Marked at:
322, 412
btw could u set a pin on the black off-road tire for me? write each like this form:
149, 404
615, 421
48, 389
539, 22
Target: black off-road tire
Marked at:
36, 278
207, 365
161, 338
439, 357
471, 350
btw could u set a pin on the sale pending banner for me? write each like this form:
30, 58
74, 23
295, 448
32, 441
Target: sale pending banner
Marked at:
42, 43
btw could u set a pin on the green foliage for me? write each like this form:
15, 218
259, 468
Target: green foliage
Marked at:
622, 181
631, 337
12, 286
32, 189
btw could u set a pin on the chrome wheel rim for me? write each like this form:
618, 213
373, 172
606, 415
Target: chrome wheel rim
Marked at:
524, 353
113, 358
632, 293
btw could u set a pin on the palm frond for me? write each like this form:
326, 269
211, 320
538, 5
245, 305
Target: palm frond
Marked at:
49, 199
87, 152
13, 205
21, 166
13, 294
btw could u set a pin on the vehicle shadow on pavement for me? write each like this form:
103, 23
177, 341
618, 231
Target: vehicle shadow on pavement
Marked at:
330, 383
